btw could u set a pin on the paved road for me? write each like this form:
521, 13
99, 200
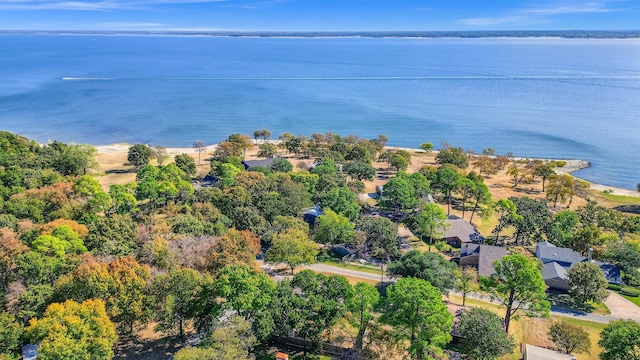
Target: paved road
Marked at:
619, 309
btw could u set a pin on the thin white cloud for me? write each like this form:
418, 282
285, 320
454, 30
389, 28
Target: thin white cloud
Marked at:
544, 14
576, 9
85, 5
487, 21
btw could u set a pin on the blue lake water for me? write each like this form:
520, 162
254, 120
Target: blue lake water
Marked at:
544, 97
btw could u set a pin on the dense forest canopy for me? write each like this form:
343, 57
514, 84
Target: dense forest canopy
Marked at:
168, 251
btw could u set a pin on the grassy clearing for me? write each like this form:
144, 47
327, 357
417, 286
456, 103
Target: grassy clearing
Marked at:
534, 330
615, 199
600, 309
635, 300
351, 279
351, 266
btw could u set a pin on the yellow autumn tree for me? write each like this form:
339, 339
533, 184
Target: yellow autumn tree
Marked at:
73, 330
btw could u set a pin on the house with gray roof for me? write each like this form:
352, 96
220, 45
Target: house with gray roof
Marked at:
265, 163
481, 256
557, 261
461, 232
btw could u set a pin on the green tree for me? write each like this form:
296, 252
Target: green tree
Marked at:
73, 331
481, 195
518, 284
428, 266
121, 284
560, 187
267, 150
626, 256
122, 199
293, 248
343, 201
430, 221
397, 159
482, 335
10, 335
91, 191
544, 171
62, 241
249, 218
382, 237
359, 170
399, 194
446, 182
506, 210
587, 283
534, 220
466, 281
176, 294
333, 228
139, 155
569, 338
620, 341
185, 163
454, 156
362, 306
249, 293
415, 310
162, 184
465, 187
427, 147
309, 305
115, 235
565, 224
233, 340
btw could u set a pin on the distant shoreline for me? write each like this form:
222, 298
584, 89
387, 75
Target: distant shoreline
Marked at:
572, 165
564, 34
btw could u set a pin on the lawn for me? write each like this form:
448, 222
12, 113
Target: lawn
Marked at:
534, 330
615, 199
635, 300
356, 267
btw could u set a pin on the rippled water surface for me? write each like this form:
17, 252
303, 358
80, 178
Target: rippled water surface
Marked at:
556, 98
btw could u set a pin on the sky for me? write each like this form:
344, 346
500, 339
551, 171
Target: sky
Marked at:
319, 15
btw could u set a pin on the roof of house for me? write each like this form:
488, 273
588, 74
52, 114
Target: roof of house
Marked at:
553, 270
566, 257
257, 163
461, 229
611, 272
488, 255
469, 249
538, 353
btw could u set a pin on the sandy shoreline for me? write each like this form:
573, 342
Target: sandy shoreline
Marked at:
572, 165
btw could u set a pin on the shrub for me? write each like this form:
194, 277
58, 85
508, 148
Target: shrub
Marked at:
630, 291
442, 246
614, 287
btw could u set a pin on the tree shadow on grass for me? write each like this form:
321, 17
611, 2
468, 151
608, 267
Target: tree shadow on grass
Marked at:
563, 303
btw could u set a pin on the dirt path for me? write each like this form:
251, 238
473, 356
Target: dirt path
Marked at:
621, 307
